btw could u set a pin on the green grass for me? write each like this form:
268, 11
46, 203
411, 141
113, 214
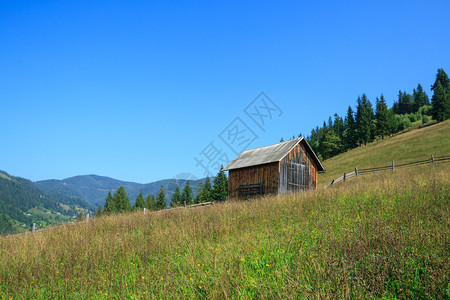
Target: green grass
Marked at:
378, 236
414, 145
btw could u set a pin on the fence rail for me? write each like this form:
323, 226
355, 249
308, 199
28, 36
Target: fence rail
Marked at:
357, 172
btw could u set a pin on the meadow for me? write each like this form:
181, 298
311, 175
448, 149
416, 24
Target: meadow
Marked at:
413, 145
384, 235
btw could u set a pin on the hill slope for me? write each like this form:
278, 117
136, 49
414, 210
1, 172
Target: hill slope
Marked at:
375, 237
22, 203
411, 146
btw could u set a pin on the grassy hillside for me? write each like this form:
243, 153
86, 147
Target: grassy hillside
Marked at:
377, 236
417, 144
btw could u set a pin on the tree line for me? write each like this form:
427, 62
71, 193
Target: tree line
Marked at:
205, 192
368, 123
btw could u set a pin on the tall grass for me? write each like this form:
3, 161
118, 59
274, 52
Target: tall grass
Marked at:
379, 236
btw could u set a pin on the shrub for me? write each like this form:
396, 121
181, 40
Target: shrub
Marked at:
425, 110
412, 117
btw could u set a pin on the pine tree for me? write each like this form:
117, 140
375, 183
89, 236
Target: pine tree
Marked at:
441, 103
330, 124
442, 77
338, 126
313, 140
110, 208
161, 199
350, 135
207, 189
203, 191
441, 97
220, 188
186, 196
150, 202
396, 108
98, 213
140, 202
331, 144
408, 103
382, 118
364, 120
371, 120
420, 98
392, 122
176, 197
322, 135
399, 106
199, 193
121, 200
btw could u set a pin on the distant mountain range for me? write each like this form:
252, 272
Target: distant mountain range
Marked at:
94, 189
23, 202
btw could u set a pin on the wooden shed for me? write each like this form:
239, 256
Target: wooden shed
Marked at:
286, 167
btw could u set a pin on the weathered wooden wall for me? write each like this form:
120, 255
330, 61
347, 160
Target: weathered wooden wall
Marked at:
298, 155
266, 174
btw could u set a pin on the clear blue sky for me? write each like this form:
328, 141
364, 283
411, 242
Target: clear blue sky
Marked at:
135, 90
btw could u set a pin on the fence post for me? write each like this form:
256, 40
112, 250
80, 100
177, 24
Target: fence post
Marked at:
87, 217
393, 166
345, 175
144, 210
33, 229
432, 158
184, 203
356, 171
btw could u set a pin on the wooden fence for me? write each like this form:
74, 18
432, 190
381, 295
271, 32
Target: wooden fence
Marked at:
392, 167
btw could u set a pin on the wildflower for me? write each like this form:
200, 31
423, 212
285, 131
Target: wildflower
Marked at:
106, 294
267, 265
199, 287
143, 277
242, 259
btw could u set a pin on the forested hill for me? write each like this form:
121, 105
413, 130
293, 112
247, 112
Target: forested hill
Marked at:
47, 202
94, 188
368, 122
22, 204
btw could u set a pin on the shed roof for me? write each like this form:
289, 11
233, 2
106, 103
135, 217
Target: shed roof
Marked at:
269, 154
